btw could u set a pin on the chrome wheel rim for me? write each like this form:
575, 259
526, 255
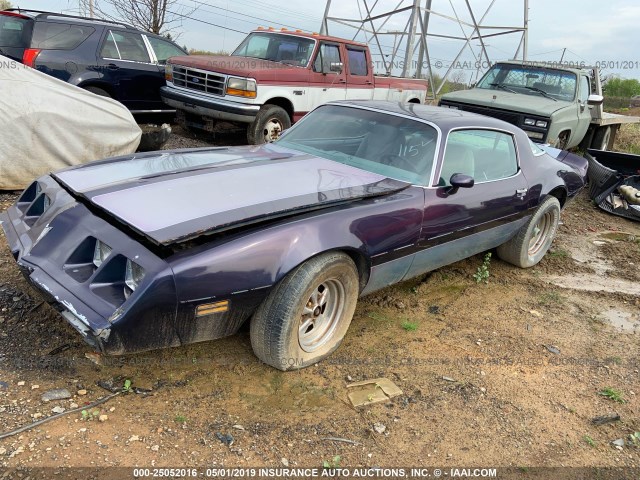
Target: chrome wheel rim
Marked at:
272, 130
540, 233
321, 315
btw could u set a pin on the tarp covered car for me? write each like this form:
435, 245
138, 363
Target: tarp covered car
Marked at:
47, 124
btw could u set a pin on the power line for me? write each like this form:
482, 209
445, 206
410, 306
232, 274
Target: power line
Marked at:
204, 21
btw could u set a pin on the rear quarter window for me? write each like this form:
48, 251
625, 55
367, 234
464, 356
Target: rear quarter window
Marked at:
14, 31
59, 36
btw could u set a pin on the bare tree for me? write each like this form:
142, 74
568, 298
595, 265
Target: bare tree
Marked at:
155, 16
4, 4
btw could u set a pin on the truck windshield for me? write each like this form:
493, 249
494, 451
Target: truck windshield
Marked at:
287, 49
531, 80
396, 147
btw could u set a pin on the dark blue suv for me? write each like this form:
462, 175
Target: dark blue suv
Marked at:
107, 58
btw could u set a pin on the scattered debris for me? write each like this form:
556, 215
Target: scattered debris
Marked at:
343, 440
449, 379
238, 427
225, 439
56, 394
35, 387
58, 409
134, 438
434, 309
284, 461
372, 391
535, 313
81, 392
618, 443
155, 448
21, 383
604, 419
379, 427
553, 349
103, 418
59, 349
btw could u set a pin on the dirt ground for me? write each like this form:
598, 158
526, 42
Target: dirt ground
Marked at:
507, 373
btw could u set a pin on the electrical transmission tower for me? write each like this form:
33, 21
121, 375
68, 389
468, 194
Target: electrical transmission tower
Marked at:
414, 39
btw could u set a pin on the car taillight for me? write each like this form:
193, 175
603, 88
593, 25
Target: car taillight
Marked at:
29, 57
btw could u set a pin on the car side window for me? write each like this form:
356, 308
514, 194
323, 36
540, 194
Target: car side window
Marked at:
585, 89
164, 49
327, 54
357, 62
59, 36
125, 46
485, 155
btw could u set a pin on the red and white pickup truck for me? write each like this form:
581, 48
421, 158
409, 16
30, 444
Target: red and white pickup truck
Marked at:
273, 78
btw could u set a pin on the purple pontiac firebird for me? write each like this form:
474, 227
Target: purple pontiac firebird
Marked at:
168, 248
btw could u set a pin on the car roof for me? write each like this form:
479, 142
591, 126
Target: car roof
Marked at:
43, 15
445, 118
313, 36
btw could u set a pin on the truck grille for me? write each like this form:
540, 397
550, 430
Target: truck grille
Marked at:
199, 80
510, 117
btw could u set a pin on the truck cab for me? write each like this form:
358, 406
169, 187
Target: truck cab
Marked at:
558, 106
274, 78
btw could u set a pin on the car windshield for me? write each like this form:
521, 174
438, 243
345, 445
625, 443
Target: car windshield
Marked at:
530, 80
396, 147
277, 48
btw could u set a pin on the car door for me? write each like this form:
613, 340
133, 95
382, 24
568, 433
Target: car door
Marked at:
584, 110
327, 85
359, 75
126, 63
458, 223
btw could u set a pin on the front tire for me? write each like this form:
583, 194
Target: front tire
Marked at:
269, 123
307, 314
534, 238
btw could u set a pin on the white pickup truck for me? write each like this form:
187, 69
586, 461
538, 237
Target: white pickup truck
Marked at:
273, 78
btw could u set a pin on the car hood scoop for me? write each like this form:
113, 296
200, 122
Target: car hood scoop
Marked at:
176, 196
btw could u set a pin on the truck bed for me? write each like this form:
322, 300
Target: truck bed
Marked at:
614, 119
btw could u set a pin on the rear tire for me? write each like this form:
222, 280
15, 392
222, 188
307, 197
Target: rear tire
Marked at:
307, 314
534, 238
269, 123
98, 91
601, 138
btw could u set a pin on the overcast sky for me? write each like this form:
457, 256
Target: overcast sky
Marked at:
590, 30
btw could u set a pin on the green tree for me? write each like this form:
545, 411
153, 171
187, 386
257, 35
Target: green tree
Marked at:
621, 87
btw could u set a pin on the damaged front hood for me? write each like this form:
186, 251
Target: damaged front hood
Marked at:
175, 196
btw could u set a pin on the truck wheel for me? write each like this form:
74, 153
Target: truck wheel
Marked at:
307, 314
601, 138
534, 238
269, 123
562, 141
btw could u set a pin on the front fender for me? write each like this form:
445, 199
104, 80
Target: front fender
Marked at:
258, 259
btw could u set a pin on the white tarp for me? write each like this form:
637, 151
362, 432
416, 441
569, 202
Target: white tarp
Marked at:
47, 124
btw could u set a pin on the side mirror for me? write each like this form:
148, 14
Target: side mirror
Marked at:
460, 180
595, 99
336, 67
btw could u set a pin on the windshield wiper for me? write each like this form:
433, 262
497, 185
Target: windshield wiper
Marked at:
499, 85
541, 92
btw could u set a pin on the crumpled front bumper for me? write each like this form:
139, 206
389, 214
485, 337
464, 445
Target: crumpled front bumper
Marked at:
53, 248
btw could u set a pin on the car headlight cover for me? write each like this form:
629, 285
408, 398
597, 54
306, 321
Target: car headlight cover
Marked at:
241, 87
134, 274
100, 253
541, 124
529, 121
168, 72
